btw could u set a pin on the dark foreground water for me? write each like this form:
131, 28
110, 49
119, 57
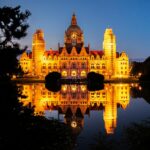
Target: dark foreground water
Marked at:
91, 113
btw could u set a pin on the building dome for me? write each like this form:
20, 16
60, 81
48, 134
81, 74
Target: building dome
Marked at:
74, 27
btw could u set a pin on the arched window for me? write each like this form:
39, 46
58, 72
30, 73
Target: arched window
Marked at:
44, 66
83, 74
64, 65
103, 66
98, 66
55, 66
64, 73
73, 73
55, 57
49, 66
92, 66
92, 57
83, 65
74, 66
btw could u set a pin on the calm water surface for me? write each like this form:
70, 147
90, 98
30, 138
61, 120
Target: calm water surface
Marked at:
89, 113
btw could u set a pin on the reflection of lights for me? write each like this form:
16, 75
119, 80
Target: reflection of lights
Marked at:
140, 88
139, 74
73, 87
64, 87
83, 88
73, 124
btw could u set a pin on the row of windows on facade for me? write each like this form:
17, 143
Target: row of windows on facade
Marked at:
73, 102
123, 63
74, 58
73, 96
122, 87
124, 68
122, 72
98, 93
93, 93
98, 96
65, 94
74, 66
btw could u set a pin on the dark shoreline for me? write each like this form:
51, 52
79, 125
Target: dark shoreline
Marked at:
74, 81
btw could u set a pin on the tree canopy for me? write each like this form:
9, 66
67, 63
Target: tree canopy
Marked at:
13, 26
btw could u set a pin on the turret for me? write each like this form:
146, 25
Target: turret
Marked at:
73, 36
109, 47
38, 48
73, 20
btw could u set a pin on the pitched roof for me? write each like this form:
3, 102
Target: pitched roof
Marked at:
97, 52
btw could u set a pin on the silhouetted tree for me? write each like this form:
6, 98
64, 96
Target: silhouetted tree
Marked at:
143, 68
52, 81
95, 81
13, 26
19, 128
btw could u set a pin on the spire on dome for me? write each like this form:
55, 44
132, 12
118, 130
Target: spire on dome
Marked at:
73, 20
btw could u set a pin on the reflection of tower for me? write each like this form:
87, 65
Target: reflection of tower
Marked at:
109, 46
110, 111
75, 120
38, 48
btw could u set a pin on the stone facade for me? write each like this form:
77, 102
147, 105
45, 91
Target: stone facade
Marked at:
74, 59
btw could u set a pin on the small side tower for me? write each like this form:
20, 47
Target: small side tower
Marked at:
38, 48
109, 47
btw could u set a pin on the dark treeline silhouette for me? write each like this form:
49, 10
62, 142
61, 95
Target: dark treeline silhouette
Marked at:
144, 92
20, 129
142, 68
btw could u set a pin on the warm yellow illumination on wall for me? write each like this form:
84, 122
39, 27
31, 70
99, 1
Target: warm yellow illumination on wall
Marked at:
72, 63
77, 96
73, 73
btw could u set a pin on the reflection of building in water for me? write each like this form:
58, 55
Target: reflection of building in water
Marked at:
75, 101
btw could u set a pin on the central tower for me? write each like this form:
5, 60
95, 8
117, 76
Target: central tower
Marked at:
73, 36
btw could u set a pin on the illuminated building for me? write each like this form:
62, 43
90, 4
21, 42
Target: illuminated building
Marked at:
74, 101
74, 59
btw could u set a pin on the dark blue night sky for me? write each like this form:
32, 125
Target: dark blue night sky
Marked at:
129, 19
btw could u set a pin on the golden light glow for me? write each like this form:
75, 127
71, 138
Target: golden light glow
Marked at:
73, 124
83, 74
73, 88
64, 73
109, 63
77, 97
64, 87
73, 73
83, 88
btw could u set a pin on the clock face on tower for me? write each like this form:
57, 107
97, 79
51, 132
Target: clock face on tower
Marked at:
74, 38
74, 35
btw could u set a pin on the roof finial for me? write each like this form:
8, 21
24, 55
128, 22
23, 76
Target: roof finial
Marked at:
73, 20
